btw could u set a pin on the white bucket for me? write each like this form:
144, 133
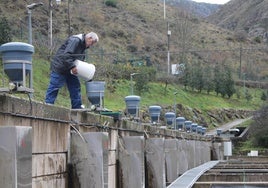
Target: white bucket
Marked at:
85, 70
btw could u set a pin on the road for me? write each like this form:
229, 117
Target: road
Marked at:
227, 126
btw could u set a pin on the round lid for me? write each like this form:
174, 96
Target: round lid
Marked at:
16, 46
132, 97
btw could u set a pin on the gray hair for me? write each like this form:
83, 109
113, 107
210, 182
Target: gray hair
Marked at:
93, 35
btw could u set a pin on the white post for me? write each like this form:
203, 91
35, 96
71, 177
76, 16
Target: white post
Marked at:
164, 9
168, 54
50, 23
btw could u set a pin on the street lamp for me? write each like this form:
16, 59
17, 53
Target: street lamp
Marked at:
30, 8
131, 81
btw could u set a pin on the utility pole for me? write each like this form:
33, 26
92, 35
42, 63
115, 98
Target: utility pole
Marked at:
168, 36
164, 9
50, 24
240, 61
168, 53
69, 21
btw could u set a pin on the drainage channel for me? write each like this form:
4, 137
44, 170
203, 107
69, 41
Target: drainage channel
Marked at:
188, 179
246, 173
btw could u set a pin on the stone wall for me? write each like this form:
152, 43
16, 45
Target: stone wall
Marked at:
54, 130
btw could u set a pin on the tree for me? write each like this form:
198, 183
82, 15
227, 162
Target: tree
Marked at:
208, 79
217, 79
264, 96
5, 31
183, 26
141, 84
259, 135
248, 96
186, 75
197, 76
229, 82
223, 81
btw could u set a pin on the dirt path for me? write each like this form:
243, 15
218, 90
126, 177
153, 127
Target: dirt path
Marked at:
228, 126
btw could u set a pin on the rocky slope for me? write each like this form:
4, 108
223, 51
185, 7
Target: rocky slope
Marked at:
248, 16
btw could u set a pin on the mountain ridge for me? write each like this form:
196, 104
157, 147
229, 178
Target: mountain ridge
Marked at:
250, 17
202, 10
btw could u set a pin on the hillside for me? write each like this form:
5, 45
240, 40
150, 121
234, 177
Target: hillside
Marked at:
250, 17
135, 30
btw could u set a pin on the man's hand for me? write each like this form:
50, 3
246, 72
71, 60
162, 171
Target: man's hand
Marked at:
74, 70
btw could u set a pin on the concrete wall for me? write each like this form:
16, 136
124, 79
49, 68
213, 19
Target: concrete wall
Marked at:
50, 132
130, 148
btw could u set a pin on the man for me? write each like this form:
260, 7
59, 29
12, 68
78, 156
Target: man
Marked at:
63, 64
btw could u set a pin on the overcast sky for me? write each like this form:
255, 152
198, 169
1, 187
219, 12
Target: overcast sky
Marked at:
213, 1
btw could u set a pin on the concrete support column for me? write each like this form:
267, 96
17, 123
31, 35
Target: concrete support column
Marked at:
112, 157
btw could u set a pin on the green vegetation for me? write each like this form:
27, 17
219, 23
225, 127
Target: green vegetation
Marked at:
158, 95
111, 3
5, 31
152, 90
259, 128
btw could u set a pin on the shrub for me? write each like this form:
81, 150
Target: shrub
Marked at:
257, 39
259, 135
264, 96
110, 3
5, 31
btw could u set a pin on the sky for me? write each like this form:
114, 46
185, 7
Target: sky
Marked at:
213, 1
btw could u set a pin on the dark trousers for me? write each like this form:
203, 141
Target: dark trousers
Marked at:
57, 81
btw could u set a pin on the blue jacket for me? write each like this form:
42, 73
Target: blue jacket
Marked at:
73, 48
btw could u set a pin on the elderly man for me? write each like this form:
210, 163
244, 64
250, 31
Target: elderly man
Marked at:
63, 68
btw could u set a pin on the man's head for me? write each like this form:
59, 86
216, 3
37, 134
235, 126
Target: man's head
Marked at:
91, 38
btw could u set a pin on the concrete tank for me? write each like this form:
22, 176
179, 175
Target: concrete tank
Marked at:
17, 61
180, 123
95, 92
155, 113
132, 105
170, 118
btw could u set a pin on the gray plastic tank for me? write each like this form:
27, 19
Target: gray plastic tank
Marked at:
170, 118
95, 92
132, 104
155, 113
194, 127
219, 132
199, 129
188, 126
17, 58
204, 129
180, 123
